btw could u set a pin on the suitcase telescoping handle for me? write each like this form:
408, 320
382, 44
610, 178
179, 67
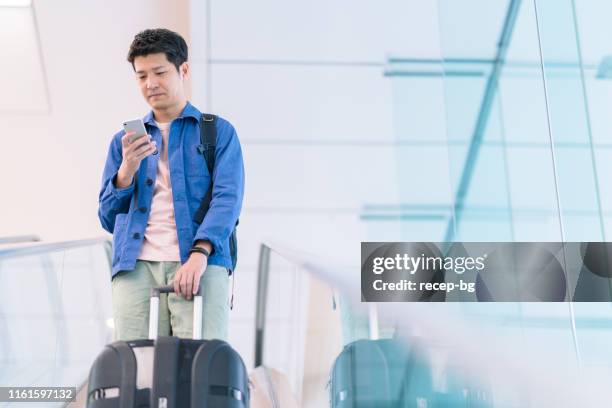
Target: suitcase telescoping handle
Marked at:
154, 311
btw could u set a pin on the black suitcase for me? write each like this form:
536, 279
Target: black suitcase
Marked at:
168, 372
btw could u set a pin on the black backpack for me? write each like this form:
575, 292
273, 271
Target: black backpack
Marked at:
208, 143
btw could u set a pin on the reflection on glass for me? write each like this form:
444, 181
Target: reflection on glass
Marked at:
331, 351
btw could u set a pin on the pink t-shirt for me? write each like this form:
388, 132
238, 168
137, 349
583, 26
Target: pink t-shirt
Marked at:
160, 237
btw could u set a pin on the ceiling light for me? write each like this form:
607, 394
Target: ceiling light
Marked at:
15, 3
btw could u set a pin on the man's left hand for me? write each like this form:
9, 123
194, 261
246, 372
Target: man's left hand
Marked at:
187, 279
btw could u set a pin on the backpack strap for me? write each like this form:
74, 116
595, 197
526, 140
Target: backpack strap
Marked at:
208, 144
208, 140
207, 148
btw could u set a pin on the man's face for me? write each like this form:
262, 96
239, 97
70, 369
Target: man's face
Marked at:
160, 82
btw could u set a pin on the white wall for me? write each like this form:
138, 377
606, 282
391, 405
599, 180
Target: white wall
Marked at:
52, 162
303, 84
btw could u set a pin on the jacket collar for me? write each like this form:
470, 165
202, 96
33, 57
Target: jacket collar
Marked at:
188, 111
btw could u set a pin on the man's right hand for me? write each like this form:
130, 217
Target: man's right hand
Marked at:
133, 153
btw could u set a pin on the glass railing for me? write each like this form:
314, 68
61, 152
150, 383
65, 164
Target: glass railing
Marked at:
55, 312
335, 351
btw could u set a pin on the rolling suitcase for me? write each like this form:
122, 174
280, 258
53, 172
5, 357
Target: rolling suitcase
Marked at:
379, 374
168, 372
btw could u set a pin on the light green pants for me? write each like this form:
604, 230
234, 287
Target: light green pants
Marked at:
131, 297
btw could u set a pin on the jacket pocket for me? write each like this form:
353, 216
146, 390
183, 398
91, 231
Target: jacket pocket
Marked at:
197, 186
119, 237
195, 164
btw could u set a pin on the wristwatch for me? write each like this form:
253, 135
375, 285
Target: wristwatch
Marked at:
200, 250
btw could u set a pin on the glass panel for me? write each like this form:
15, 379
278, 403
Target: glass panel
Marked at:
55, 317
530, 154
302, 331
569, 120
574, 87
482, 115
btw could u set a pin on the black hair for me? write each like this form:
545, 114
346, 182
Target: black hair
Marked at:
153, 41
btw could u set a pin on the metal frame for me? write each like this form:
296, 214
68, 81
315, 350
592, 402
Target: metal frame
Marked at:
481, 122
263, 273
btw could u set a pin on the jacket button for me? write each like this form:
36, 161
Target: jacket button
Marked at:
149, 182
143, 209
136, 235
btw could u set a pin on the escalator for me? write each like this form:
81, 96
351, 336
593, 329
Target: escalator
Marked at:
319, 344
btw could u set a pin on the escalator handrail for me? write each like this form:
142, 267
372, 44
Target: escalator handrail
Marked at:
17, 239
44, 248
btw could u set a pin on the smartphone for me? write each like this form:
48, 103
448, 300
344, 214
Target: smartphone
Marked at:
135, 126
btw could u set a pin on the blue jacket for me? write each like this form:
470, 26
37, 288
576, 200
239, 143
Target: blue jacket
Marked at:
124, 212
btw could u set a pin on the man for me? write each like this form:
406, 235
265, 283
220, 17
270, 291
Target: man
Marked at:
151, 189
